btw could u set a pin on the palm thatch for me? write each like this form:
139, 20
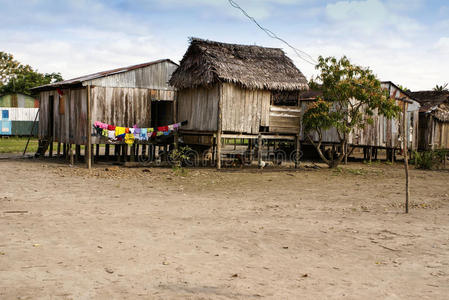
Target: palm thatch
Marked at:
253, 67
435, 103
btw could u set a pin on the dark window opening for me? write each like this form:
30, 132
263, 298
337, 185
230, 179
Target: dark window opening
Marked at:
284, 98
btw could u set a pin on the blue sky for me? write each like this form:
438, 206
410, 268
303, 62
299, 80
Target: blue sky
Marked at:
405, 41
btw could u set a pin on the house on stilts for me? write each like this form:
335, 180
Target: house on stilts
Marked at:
135, 95
433, 119
383, 133
230, 91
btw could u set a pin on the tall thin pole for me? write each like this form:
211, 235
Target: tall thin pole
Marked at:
88, 148
405, 141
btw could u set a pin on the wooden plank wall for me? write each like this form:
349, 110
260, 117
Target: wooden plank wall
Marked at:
244, 111
121, 107
155, 76
285, 119
69, 126
383, 132
199, 106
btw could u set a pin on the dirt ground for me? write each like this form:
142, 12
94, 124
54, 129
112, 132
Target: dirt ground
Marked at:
117, 233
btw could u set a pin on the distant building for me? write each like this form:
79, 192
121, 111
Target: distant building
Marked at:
433, 119
17, 115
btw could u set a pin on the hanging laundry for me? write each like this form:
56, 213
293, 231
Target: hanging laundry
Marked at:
129, 138
126, 130
143, 134
105, 133
131, 130
159, 133
120, 131
111, 127
162, 128
170, 127
175, 126
137, 130
111, 134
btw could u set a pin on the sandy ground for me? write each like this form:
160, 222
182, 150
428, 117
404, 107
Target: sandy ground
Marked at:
154, 234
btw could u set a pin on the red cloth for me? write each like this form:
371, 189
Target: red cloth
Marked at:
111, 127
163, 128
126, 130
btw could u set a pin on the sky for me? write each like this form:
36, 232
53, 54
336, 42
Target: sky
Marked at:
404, 41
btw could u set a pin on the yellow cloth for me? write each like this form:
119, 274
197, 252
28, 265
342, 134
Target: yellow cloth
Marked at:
129, 138
119, 131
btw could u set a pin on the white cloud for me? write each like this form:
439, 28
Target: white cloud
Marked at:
369, 16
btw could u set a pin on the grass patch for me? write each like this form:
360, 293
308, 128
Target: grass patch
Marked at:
17, 145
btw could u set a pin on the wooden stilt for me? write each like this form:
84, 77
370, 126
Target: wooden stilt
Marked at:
78, 152
50, 151
370, 154
88, 149
133, 152
219, 150
106, 151
72, 155
259, 151
298, 150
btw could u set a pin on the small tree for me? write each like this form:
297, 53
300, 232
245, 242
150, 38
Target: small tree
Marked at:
441, 88
350, 96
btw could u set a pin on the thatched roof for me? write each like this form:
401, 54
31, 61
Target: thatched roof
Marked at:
253, 67
435, 103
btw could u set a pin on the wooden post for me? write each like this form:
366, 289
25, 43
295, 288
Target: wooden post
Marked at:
78, 152
50, 151
405, 141
250, 145
72, 154
346, 153
370, 154
219, 126
58, 151
133, 152
64, 151
106, 151
88, 148
298, 149
259, 151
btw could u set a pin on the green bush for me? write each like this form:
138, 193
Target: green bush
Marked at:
429, 160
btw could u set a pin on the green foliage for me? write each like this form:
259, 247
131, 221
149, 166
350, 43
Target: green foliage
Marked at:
350, 96
177, 156
429, 160
18, 78
441, 88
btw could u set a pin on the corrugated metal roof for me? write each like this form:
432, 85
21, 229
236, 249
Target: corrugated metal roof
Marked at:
79, 80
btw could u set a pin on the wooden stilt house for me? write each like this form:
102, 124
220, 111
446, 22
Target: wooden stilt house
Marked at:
237, 91
384, 133
138, 94
433, 119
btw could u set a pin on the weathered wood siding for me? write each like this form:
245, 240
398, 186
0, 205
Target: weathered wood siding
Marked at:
433, 134
199, 107
285, 119
68, 125
243, 110
384, 132
154, 77
121, 107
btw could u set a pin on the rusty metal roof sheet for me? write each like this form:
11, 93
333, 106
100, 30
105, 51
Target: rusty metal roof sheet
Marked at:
80, 80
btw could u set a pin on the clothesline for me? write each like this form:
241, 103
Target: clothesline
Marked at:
130, 134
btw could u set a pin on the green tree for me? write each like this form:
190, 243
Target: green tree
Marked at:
350, 96
18, 78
